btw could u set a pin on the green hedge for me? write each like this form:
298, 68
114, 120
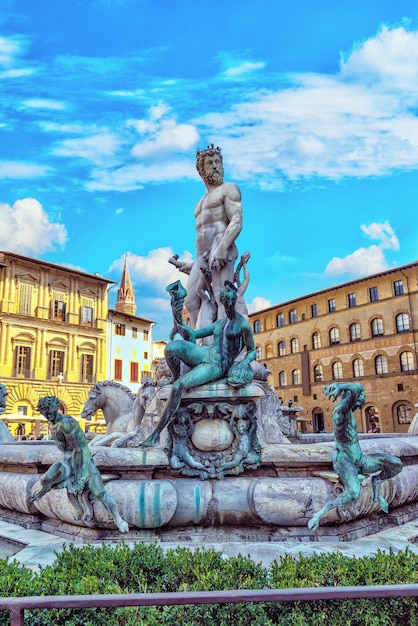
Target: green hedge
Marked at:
145, 568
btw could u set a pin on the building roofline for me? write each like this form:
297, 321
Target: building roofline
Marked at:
131, 316
72, 270
334, 287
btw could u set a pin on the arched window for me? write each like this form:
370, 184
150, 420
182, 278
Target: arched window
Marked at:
407, 361
282, 379
257, 326
381, 364
337, 370
377, 327
355, 332
281, 347
334, 336
296, 377
280, 319
402, 323
404, 413
318, 374
294, 345
316, 340
293, 316
269, 351
258, 353
358, 368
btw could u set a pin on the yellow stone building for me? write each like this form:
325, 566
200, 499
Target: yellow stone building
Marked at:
52, 335
364, 330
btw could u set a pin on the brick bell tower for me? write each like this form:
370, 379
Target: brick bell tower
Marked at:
126, 294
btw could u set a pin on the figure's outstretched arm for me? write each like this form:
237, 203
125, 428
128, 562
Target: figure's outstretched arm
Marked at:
204, 332
182, 266
333, 391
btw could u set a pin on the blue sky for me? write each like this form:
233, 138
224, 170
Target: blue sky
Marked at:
104, 102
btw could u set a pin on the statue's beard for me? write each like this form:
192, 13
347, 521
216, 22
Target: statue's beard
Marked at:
213, 176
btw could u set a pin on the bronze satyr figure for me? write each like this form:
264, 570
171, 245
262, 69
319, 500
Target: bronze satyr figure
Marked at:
208, 363
76, 472
351, 465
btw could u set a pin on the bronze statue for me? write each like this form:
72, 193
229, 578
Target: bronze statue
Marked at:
180, 429
244, 428
349, 462
208, 363
76, 472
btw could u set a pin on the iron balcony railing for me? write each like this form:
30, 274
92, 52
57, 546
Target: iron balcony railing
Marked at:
17, 606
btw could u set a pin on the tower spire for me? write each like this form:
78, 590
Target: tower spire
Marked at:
126, 294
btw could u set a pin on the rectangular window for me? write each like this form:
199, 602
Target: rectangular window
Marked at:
56, 363
145, 336
331, 306
293, 316
134, 372
352, 301
23, 361
25, 304
314, 310
374, 294
58, 310
118, 369
86, 317
134, 332
145, 355
87, 368
280, 319
120, 329
398, 287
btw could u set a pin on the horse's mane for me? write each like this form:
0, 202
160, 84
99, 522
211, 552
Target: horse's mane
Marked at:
113, 383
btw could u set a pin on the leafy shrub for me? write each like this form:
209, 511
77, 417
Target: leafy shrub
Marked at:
120, 568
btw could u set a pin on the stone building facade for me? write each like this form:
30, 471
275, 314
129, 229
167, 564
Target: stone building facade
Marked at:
129, 338
52, 333
363, 330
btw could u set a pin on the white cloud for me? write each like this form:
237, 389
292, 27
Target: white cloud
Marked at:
369, 260
153, 269
53, 127
243, 68
333, 126
10, 50
135, 93
43, 103
16, 73
258, 304
119, 211
19, 169
360, 262
99, 148
383, 233
391, 57
160, 133
135, 176
26, 228
287, 129
152, 273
